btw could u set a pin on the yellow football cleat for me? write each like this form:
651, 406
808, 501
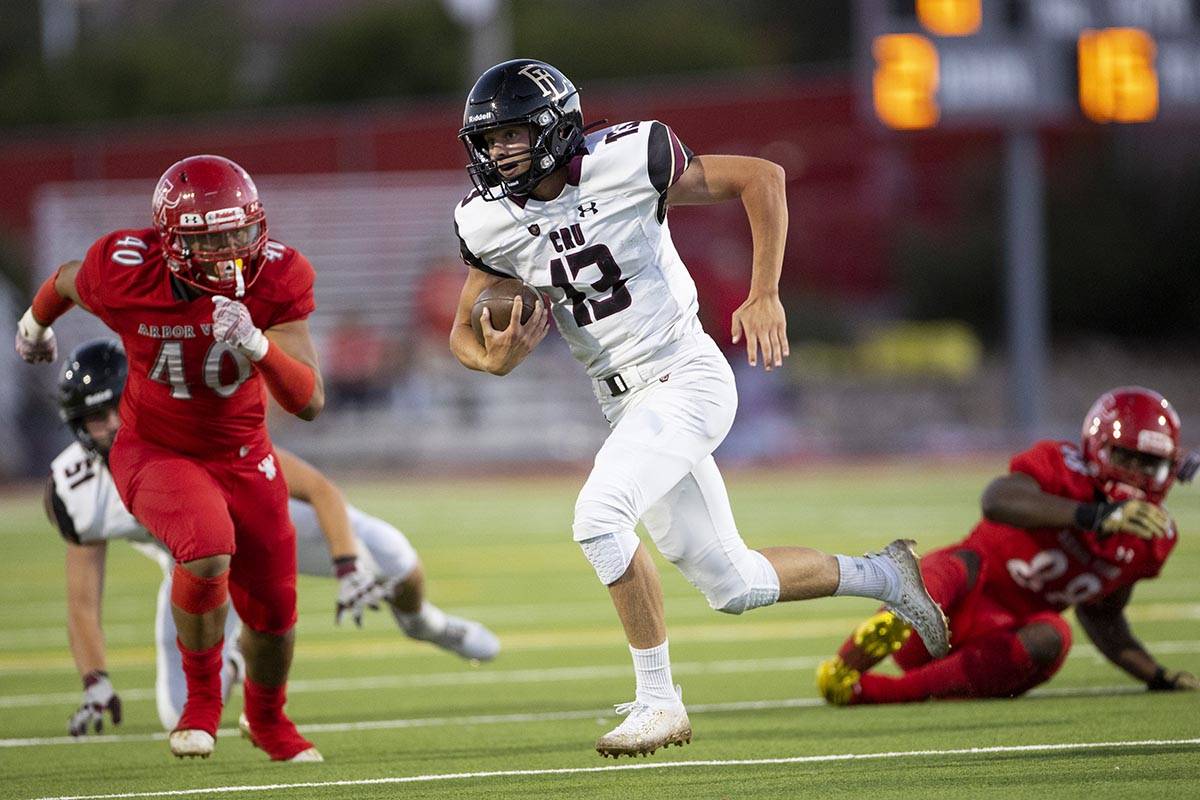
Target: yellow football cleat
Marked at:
881, 635
836, 681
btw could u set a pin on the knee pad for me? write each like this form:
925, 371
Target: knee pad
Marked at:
756, 585
197, 595
610, 554
1047, 639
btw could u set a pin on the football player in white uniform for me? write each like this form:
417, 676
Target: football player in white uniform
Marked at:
332, 538
583, 219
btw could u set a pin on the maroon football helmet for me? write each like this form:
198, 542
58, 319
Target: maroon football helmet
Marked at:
1131, 442
211, 223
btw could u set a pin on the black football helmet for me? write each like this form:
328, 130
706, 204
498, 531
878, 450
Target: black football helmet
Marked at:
523, 91
92, 379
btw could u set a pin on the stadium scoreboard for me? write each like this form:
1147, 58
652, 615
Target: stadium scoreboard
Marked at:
1026, 63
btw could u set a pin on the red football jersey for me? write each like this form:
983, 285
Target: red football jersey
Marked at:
1046, 569
186, 391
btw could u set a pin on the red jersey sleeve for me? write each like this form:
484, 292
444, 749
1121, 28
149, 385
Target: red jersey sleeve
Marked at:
89, 281
1058, 467
286, 289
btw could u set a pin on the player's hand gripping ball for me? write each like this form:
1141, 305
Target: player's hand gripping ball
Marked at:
498, 299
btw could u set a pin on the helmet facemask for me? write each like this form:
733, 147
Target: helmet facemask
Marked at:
553, 140
218, 260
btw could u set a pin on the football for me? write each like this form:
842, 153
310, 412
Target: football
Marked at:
499, 298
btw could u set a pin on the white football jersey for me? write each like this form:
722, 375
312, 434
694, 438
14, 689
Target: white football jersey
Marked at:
86, 503
601, 251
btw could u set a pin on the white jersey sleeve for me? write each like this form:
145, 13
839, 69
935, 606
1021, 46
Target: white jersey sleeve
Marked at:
85, 502
601, 251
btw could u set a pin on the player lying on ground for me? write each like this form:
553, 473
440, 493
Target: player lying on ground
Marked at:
212, 315
372, 561
1066, 527
583, 219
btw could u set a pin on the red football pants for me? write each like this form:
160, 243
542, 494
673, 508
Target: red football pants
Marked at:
987, 659
222, 506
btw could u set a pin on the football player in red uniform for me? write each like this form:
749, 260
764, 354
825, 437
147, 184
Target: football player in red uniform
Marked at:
212, 315
1067, 526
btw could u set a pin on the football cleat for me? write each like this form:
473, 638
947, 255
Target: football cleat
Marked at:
837, 682
191, 743
915, 606
466, 637
309, 755
645, 729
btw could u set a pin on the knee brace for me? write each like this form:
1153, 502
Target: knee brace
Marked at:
197, 595
755, 585
610, 554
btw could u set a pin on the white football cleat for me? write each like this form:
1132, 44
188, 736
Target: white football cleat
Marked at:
311, 755
191, 743
466, 637
645, 729
915, 606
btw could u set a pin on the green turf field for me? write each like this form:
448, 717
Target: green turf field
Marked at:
396, 718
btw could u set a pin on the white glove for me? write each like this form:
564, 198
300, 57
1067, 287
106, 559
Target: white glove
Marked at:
232, 325
98, 696
357, 590
35, 342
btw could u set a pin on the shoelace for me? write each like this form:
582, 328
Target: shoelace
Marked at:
626, 708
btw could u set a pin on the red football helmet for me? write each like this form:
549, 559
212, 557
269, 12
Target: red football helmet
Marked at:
1131, 442
212, 225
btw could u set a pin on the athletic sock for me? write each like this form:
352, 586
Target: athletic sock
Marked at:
428, 623
202, 671
270, 727
653, 670
868, 576
995, 665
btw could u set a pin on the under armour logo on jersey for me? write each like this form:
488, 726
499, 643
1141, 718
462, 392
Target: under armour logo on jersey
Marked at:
267, 466
588, 208
544, 80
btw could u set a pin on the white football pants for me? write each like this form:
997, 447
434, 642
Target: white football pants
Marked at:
383, 550
657, 466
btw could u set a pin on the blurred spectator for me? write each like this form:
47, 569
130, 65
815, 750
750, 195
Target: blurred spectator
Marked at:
358, 366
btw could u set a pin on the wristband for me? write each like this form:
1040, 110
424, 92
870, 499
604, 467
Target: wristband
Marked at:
1160, 682
94, 677
344, 565
1087, 515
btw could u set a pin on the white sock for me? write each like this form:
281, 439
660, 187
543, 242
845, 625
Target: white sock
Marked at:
653, 669
868, 576
429, 622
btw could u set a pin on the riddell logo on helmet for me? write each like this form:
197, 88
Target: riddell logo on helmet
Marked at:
223, 215
478, 117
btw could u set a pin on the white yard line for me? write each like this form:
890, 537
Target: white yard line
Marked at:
508, 773
545, 716
491, 677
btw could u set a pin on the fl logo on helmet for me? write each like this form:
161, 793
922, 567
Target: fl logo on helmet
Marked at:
544, 80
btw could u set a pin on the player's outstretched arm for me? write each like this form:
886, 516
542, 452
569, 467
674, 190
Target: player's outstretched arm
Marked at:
760, 186
1017, 499
35, 337
358, 589
501, 351
1105, 623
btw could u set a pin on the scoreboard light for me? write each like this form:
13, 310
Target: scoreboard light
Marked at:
905, 81
950, 17
1117, 77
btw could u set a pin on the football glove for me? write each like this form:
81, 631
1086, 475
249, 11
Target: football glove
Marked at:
1138, 517
1176, 681
98, 697
35, 342
232, 325
357, 590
